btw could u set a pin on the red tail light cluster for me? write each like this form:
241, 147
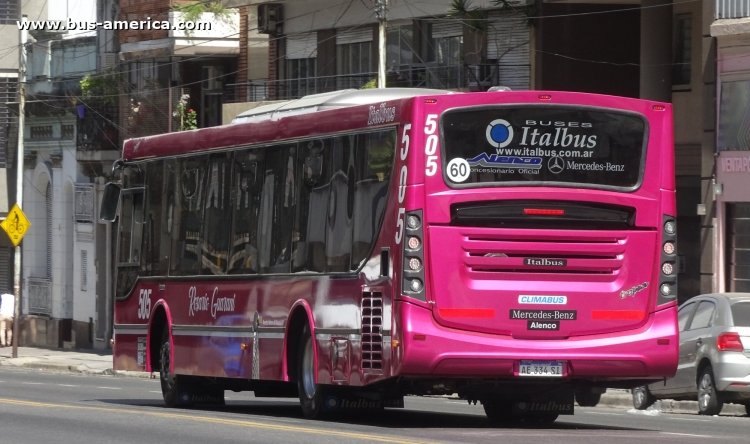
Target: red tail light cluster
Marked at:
668, 263
413, 256
729, 341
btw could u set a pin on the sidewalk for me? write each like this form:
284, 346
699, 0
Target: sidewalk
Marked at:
89, 362
100, 363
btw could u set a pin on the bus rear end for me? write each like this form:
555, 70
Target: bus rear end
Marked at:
539, 253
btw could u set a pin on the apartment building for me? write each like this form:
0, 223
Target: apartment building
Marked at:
731, 176
70, 142
168, 70
654, 49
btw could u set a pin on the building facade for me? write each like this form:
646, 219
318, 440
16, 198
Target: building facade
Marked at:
731, 177
654, 49
70, 142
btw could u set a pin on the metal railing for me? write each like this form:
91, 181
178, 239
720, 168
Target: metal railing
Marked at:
476, 77
728, 9
84, 202
40, 300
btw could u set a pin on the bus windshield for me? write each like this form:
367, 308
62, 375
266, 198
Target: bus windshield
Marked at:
539, 145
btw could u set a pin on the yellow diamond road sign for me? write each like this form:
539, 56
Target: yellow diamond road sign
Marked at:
15, 225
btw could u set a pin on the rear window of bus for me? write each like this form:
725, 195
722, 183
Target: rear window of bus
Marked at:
561, 145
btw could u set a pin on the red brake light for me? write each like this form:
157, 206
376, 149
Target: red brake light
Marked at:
543, 212
729, 342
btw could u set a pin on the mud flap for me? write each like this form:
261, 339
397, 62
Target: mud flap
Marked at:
558, 403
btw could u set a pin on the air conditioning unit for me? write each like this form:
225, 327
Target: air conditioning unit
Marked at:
269, 18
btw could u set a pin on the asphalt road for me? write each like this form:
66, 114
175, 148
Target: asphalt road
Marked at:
37, 406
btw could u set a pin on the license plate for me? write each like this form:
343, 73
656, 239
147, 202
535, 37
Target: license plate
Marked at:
547, 369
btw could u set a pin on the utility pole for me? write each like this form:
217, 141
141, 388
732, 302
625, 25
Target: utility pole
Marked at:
23, 38
380, 11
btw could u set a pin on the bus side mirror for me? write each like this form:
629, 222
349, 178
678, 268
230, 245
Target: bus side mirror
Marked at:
110, 202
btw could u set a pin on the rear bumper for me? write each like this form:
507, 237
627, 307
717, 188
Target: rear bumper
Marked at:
430, 349
732, 373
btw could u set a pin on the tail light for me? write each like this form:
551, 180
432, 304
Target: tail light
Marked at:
729, 342
668, 262
413, 256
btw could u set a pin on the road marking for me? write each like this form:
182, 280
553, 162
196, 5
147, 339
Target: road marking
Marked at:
225, 421
110, 388
691, 419
68, 385
32, 383
689, 435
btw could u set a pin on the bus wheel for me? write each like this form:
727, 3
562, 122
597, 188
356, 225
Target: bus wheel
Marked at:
498, 412
587, 397
311, 395
171, 389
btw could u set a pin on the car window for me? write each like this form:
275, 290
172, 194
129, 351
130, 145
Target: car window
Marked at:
684, 314
741, 314
703, 315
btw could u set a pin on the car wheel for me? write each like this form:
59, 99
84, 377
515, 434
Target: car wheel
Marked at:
311, 395
708, 398
642, 398
747, 408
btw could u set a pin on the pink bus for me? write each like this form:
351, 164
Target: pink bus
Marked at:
514, 248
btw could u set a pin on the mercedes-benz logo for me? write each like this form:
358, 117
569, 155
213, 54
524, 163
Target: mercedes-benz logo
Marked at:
556, 164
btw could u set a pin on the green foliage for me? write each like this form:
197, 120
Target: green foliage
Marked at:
371, 84
191, 12
101, 88
474, 18
186, 117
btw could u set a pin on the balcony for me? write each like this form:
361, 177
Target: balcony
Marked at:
732, 9
454, 77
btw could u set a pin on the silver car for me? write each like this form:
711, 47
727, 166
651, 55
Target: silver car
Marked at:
714, 365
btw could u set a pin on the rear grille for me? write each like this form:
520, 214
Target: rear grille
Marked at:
534, 253
372, 336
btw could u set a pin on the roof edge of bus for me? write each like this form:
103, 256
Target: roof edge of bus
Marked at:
330, 100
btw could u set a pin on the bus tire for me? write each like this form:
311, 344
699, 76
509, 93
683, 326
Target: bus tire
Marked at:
311, 395
709, 402
587, 397
171, 387
498, 412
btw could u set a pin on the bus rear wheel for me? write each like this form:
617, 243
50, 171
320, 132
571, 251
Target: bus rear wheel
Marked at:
311, 395
171, 386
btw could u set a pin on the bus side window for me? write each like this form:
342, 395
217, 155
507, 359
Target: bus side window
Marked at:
130, 239
215, 239
313, 204
339, 217
246, 188
277, 209
189, 216
375, 161
150, 265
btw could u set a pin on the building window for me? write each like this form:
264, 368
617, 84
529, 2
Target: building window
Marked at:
682, 49
84, 270
300, 75
9, 12
48, 222
399, 41
734, 116
354, 64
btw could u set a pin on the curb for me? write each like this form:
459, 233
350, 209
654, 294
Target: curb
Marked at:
622, 398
